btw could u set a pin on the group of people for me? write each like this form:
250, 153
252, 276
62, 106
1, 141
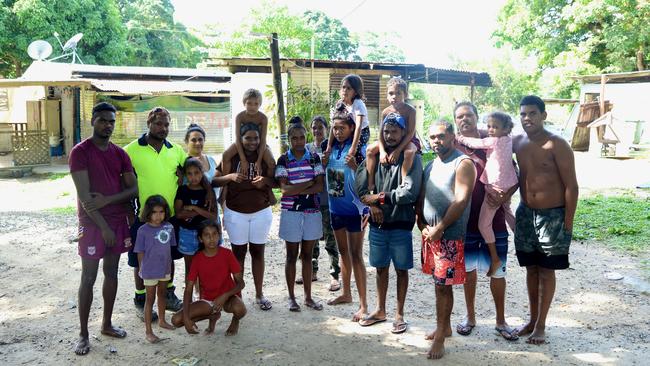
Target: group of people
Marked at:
331, 189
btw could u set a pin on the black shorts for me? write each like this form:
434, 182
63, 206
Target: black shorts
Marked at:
351, 223
133, 257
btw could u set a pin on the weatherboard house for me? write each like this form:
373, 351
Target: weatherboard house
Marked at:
47, 110
325, 76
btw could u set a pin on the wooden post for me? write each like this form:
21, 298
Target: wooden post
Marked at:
603, 80
277, 86
313, 48
472, 82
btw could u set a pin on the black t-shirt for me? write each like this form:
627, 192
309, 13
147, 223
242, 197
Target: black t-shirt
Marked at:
195, 198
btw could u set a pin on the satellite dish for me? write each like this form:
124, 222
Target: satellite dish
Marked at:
71, 44
69, 48
39, 50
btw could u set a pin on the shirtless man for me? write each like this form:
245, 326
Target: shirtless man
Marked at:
544, 219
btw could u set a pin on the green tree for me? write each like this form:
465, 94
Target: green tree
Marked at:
154, 39
24, 21
609, 35
509, 83
380, 47
431, 111
252, 40
333, 40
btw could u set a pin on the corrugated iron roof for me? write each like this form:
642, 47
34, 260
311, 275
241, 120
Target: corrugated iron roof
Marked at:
44, 70
133, 87
411, 72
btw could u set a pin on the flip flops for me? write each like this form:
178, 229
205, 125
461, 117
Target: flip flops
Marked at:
314, 306
334, 285
507, 333
465, 329
370, 320
399, 327
264, 304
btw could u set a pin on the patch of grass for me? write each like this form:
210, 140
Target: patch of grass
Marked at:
67, 210
622, 222
56, 176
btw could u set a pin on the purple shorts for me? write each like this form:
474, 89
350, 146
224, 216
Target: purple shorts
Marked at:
91, 242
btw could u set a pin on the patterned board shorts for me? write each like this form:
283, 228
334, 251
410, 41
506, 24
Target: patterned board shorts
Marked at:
445, 260
540, 237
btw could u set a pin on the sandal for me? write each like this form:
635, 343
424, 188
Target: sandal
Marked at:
399, 327
465, 329
264, 304
335, 285
507, 333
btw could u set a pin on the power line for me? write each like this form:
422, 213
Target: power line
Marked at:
353, 9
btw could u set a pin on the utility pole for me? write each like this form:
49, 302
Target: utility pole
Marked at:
313, 47
277, 86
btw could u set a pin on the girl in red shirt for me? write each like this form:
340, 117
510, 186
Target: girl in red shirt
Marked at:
220, 281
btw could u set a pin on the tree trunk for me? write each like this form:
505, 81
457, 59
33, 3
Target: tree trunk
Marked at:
639, 59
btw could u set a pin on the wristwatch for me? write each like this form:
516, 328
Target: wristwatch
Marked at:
382, 196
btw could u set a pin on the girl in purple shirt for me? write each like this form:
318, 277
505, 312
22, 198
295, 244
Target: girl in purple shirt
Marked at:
153, 246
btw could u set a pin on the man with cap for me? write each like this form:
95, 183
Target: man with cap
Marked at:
392, 216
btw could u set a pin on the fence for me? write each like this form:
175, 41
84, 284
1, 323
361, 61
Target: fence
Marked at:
22, 148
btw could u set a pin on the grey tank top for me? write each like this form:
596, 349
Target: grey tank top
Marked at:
439, 181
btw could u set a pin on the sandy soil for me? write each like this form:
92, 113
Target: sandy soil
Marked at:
593, 320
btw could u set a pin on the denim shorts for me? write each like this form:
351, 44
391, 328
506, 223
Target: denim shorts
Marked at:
188, 241
351, 223
296, 226
391, 245
477, 254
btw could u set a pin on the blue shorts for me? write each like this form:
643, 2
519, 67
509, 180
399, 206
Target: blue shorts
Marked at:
477, 254
391, 245
188, 241
351, 223
296, 226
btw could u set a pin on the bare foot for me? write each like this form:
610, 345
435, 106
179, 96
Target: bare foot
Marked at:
82, 347
152, 338
494, 265
430, 336
343, 299
233, 328
437, 349
112, 331
537, 337
163, 324
213, 322
525, 329
360, 314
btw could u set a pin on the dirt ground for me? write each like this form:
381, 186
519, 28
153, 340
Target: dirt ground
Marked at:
593, 320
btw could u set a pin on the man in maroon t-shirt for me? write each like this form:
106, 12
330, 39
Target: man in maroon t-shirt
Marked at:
105, 182
477, 252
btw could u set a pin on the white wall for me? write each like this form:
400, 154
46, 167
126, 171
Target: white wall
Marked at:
18, 98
